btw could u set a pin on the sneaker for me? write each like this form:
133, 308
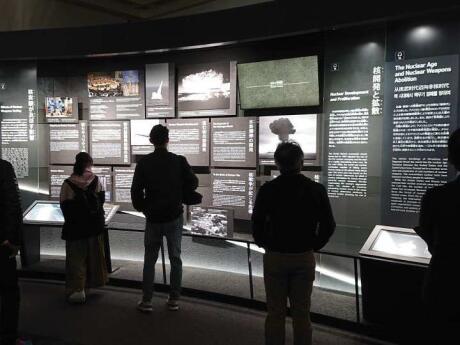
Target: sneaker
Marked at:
145, 307
173, 304
78, 297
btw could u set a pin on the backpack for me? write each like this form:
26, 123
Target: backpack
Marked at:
87, 199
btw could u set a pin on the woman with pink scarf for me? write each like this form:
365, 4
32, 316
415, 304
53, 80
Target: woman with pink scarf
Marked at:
82, 200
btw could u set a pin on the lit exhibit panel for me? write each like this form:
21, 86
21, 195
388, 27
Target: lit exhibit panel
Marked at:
396, 243
19, 121
61, 110
300, 129
116, 95
211, 221
234, 189
279, 83
234, 142
160, 90
49, 213
190, 138
140, 136
105, 178
122, 181
110, 142
312, 175
66, 141
207, 89
57, 175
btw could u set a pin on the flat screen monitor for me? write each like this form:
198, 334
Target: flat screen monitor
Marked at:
61, 110
396, 243
46, 212
140, 135
210, 221
301, 129
279, 83
207, 89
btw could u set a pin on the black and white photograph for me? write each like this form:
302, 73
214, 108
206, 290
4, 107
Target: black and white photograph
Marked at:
204, 86
208, 221
157, 84
301, 129
140, 131
114, 84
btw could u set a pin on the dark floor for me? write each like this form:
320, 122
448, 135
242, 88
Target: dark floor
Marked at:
110, 317
338, 305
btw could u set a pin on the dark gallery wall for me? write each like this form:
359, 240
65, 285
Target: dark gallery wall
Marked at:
354, 66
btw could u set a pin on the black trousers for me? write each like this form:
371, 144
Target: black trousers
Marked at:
9, 298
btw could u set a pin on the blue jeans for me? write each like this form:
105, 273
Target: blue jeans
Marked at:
154, 233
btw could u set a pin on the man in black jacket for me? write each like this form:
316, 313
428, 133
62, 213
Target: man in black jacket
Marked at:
291, 218
160, 182
440, 228
10, 237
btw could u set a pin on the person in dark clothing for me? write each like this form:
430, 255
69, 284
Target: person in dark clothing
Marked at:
161, 180
82, 203
439, 226
292, 217
10, 240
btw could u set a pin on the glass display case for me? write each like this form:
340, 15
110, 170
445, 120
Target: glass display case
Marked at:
396, 243
48, 212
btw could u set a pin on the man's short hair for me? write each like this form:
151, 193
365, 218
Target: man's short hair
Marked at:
454, 149
289, 157
159, 135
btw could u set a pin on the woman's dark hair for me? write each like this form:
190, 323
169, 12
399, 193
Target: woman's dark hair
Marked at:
82, 161
289, 157
454, 149
159, 135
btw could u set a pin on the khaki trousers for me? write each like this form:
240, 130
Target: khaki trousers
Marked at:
85, 264
288, 276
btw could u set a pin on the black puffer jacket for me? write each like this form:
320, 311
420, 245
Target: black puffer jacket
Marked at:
10, 205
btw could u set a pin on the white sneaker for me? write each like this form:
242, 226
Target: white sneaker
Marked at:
145, 307
78, 297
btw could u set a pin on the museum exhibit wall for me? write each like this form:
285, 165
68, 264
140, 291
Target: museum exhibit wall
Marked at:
387, 101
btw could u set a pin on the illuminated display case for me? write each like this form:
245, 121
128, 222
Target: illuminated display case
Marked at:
47, 212
396, 243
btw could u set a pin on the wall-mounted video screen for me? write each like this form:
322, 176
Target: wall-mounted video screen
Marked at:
110, 142
234, 142
116, 95
61, 110
302, 129
234, 189
66, 141
207, 89
59, 173
160, 90
140, 135
122, 181
279, 83
211, 221
190, 138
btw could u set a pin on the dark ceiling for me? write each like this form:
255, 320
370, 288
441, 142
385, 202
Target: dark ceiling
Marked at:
133, 10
